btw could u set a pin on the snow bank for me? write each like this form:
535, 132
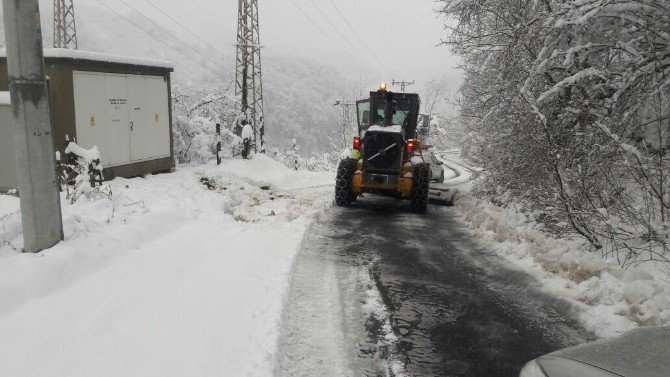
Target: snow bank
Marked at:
614, 300
177, 274
263, 170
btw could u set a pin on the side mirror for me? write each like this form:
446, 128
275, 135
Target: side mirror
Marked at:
366, 117
439, 163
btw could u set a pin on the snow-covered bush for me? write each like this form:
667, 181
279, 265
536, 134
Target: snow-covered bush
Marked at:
195, 140
194, 129
81, 173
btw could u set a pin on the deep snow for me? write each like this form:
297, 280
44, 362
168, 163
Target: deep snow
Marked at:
180, 274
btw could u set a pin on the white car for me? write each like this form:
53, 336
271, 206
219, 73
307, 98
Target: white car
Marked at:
643, 352
436, 168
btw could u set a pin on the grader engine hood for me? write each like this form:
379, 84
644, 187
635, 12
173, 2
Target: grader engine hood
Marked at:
382, 152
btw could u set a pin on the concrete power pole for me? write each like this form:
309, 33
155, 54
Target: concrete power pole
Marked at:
35, 157
65, 27
403, 84
249, 76
347, 129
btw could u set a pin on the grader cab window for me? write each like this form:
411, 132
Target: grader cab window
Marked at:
401, 111
363, 108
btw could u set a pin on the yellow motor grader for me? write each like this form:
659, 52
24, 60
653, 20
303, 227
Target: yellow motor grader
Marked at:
387, 157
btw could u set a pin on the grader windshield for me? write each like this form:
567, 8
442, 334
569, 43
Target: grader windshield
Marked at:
401, 110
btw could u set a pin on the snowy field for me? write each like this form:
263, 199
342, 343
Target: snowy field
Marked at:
181, 274
612, 299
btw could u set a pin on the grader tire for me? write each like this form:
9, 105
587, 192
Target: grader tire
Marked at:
420, 188
343, 183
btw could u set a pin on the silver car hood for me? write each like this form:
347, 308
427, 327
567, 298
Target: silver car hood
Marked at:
643, 352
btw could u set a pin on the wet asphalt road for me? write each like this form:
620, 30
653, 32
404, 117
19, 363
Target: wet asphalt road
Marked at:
455, 307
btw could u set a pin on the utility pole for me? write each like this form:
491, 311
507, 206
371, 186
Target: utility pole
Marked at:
347, 130
65, 27
403, 84
35, 157
248, 75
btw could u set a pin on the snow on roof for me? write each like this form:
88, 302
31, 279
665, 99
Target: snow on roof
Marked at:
4, 99
393, 128
62, 53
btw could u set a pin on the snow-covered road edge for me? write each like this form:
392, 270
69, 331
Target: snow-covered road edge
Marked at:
375, 308
613, 300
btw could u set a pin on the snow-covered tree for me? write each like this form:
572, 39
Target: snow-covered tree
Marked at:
608, 100
568, 108
196, 113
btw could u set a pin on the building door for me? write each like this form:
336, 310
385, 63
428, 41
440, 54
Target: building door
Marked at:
118, 127
91, 105
140, 134
159, 116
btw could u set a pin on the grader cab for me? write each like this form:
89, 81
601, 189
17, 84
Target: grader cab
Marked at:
386, 158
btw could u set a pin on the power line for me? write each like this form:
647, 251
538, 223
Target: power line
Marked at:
338, 31
359, 36
321, 30
148, 33
169, 32
184, 27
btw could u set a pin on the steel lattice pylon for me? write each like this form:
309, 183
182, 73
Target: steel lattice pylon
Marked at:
65, 28
248, 70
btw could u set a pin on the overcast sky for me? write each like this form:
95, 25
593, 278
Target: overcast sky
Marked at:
403, 34
399, 37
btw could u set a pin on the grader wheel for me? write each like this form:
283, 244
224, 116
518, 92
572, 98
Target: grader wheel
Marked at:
345, 177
